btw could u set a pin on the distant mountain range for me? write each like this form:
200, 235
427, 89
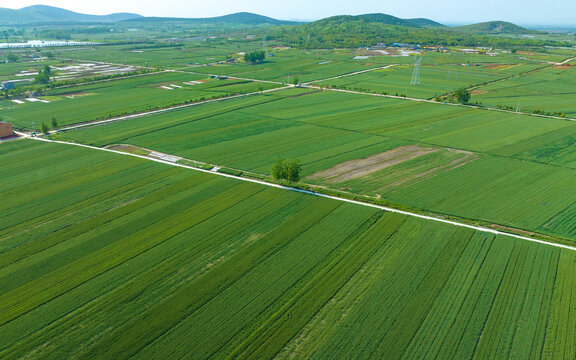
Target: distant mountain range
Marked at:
46, 14
243, 18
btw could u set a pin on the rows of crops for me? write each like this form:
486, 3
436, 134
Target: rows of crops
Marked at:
115, 98
167, 57
312, 65
432, 81
478, 150
552, 90
106, 256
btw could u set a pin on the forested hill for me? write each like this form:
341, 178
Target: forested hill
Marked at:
358, 31
392, 20
495, 27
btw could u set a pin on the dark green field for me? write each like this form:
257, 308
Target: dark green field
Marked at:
466, 151
111, 256
104, 100
106, 256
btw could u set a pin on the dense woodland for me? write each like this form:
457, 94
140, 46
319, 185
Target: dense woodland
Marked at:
351, 32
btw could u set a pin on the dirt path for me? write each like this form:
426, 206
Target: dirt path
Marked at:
354, 73
383, 208
440, 103
155, 112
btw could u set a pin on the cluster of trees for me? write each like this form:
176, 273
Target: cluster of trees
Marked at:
12, 58
287, 169
255, 57
462, 95
53, 34
355, 33
43, 76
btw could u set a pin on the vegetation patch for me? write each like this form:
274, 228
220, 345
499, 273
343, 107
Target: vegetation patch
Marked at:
355, 169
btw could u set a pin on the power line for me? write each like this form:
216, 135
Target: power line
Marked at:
416, 74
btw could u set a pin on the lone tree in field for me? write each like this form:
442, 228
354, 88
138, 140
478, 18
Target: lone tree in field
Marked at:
45, 128
255, 57
288, 169
54, 123
462, 95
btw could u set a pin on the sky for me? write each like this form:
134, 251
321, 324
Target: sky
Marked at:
536, 12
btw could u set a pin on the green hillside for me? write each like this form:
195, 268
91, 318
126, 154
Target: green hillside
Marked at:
392, 20
495, 27
367, 30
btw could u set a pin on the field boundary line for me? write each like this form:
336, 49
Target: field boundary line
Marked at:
439, 103
287, 188
352, 74
160, 111
229, 77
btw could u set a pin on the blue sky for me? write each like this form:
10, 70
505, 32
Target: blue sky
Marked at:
560, 12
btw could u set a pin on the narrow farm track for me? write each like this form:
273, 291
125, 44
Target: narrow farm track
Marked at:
438, 103
156, 112
229, 77
354, 73
310, 86
383, 208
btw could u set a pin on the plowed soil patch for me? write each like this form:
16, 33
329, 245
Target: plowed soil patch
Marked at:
355, 169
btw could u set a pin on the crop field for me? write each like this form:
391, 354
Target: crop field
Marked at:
466, 151
314, 65
9, 71
288, 65
552, 90
162, 57
105, 256
119, 97
435, 80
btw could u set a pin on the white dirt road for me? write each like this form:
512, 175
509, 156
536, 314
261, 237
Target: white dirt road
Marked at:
383, 208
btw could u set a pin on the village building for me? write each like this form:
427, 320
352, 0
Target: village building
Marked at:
6, 130
5, 86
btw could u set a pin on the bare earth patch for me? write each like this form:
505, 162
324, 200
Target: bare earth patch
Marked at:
454, 164
355, 169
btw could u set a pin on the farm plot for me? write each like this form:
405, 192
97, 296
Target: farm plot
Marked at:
552, 90
434, 80
120, 97
22, 71
107, 256
356, 143
159, 57
293, 65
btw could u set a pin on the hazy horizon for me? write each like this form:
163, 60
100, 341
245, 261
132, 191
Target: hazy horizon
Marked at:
532, 12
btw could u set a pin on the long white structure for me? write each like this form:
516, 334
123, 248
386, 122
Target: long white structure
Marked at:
42, 43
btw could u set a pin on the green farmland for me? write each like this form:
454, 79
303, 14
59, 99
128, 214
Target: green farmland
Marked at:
435, 80
460, 154
290, 65
103, 100
166, 57
552, 90
106, 256
315, 215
